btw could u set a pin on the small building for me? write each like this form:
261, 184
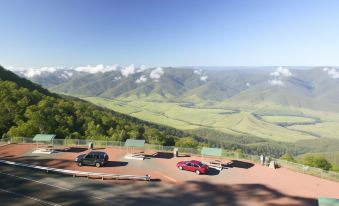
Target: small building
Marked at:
135, 149
216, 153
45, 143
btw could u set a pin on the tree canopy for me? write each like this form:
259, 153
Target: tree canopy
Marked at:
25, 112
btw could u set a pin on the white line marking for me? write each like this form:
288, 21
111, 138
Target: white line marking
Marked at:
63, 188
170, 178
30, 197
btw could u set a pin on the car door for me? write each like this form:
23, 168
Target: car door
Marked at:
88, 160
189, 166
195, 167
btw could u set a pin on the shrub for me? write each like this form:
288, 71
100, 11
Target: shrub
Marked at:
317, 161
287, 157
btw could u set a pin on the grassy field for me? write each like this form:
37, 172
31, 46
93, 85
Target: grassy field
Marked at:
287, 119
221, 118
326, 129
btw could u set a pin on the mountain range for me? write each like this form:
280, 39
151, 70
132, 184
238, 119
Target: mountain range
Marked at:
314, 88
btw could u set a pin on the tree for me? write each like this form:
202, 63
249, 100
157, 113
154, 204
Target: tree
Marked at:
287, 157
317, 161
27, 109
188, 142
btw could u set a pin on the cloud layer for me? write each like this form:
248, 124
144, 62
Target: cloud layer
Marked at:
31, 72
141, 79
156, 73
281, 71
128, 70
95, 69
278, 76
332, 72
276, 82
200, 72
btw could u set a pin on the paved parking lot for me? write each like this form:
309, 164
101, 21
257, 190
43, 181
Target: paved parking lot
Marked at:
241, 183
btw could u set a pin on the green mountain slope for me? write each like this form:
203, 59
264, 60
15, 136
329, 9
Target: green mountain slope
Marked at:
312, 89
27, 109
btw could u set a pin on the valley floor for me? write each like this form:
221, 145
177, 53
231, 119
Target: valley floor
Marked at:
265, 122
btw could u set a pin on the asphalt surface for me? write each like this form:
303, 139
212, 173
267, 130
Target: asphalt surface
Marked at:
21, 186
25, 187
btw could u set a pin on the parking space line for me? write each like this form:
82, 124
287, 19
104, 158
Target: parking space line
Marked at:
170, 178
36, 181
30, 197
24, 178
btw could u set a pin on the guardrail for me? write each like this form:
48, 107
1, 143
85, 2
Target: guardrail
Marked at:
308, 170
75, 173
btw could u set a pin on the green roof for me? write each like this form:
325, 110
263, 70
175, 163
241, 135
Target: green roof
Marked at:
323, 201
134, 143
43, 137
211, 151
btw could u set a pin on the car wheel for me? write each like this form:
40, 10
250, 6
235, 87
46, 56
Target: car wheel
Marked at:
198, 172
180, 168
79, 164
97, 164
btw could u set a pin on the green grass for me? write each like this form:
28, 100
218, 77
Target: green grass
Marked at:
287, 119
222, 118
326, 129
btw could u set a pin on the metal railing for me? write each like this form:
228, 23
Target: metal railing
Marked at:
308, 170
191, 151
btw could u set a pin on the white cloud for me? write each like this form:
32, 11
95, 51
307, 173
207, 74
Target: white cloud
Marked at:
203, 78
156, 73
333, 73
198, 72
142, 68
31, 72
128, 70
95, 69
116, 78
141, 79
68, 73
15, 69
276, 82
64, 76
325, 69
248, 84
281, 71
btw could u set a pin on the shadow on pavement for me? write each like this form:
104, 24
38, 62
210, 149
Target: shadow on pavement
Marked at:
115, 164
239, 164
162, 155
72, 149
212, 171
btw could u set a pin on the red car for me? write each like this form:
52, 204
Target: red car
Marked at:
193, 166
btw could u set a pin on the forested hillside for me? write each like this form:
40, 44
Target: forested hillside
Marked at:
27, 109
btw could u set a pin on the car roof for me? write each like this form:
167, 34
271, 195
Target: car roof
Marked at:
97, 153
194, 161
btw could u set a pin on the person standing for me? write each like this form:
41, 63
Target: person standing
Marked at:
267, 161
262, 159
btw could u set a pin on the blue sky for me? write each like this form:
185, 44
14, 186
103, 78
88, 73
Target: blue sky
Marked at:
169, 32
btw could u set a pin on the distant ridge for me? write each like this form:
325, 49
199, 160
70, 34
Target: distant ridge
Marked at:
314, 88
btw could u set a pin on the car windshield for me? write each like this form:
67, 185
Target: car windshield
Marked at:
200, 164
